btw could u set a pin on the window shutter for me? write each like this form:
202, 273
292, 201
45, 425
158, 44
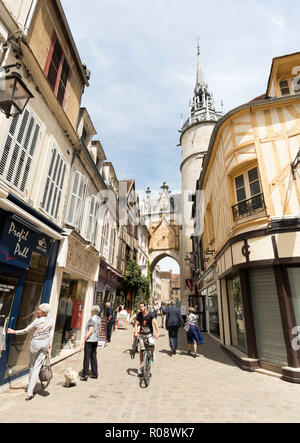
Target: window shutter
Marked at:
54, 184
18, 150
77, 200
90, 221
267, 319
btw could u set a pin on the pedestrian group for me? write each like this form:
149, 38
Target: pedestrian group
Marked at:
143, 321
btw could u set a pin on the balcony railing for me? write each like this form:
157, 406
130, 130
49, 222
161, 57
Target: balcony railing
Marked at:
249, 207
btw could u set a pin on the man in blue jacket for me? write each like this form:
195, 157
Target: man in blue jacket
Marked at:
173, 323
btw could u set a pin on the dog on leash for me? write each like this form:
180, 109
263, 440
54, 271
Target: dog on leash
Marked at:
71, 378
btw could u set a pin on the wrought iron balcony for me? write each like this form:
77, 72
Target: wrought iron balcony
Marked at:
249, 207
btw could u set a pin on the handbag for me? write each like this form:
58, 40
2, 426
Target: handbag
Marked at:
186, 328
46, 373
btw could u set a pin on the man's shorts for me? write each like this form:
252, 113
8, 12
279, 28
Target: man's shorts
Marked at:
150, 339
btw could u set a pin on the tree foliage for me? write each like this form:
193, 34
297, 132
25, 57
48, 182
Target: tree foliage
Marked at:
137, 284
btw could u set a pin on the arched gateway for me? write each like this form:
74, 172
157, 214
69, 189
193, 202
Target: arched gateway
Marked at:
161, 217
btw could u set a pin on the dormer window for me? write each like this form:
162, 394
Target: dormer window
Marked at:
284, 87
290, 86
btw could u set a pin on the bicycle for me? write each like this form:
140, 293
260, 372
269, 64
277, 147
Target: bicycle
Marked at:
146, 369
135, 346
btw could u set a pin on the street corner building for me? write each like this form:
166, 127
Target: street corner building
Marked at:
247, 214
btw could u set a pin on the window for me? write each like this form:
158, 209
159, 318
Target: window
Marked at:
284, 87
248, 194
104, 239
18, 150
92, 227
54, 184
57, 71
290, 86
77, 200
112, 246
236, 314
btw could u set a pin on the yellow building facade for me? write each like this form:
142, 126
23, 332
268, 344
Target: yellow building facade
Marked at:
248, 227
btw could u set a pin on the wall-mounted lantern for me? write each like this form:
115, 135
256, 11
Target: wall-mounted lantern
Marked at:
14, 94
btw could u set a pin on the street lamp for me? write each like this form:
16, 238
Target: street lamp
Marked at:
295, 164
14, 94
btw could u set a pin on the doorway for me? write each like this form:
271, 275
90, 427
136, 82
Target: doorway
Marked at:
8, 288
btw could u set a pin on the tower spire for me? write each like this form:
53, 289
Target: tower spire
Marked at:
202, 107
200, 82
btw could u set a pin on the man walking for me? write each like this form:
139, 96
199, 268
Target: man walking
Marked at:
90, 343
173, 323
109, 320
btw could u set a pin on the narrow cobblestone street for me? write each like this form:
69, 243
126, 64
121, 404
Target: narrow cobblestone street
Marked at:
210, 388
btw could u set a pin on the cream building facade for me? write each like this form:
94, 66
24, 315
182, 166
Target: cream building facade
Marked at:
248, 247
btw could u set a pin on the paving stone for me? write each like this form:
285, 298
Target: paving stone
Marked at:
210, 388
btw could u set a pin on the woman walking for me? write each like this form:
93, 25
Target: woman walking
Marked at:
39, 346
193, 333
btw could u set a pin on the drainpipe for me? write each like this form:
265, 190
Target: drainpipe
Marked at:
30, 17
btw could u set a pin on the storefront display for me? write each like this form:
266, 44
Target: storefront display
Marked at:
213, 310
236, 314
68, 325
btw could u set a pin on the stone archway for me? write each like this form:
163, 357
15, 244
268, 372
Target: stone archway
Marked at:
156, 256
161, 217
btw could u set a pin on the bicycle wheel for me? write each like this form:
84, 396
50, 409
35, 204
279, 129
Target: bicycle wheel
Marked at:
147, 369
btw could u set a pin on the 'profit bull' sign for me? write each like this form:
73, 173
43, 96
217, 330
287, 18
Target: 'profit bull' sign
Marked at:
18, 242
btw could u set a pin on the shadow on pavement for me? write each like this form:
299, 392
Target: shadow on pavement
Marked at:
210, 349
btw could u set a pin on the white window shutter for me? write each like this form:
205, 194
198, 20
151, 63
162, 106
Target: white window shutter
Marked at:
18, 150
73, 201
90, 220
77, 200
54, 184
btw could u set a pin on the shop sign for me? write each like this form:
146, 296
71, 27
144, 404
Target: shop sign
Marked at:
18, 242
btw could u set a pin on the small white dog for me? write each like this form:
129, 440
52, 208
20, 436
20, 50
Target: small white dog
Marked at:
71, 378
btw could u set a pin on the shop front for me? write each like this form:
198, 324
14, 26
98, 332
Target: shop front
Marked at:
107, 290
209, 303
259, 275
76, 295
27, 266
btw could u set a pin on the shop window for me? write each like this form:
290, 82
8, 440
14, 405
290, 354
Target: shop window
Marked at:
213, 311
18, 150
77, 200
68, 326
54, 184
236, 314
294, 280
92, 227
31, 298
250, 199
57, 71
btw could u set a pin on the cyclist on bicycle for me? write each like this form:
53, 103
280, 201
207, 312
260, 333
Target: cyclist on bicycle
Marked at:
145, 321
